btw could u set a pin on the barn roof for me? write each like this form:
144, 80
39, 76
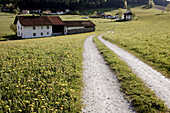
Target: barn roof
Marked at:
38, 20
56, 20
78, 23
88, 23
50, 20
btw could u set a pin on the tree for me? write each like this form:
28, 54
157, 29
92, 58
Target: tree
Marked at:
13, 27
95, 13
120, 13
15, 11
125, 4
128, 8
151, 3
18, 9
168, 8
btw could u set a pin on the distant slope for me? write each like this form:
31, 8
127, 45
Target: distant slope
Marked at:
160, 7
161, 2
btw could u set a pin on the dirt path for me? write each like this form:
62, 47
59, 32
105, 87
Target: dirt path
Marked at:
155, 80
101, 91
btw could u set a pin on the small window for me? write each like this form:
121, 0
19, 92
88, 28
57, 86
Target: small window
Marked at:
18, 27
21, 34
33, 27
18, 33
41, 33
47, 27
34, 34
47, 33
21, 28
41, 27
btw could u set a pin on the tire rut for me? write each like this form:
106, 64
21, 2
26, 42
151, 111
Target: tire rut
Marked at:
101, 92
153, 79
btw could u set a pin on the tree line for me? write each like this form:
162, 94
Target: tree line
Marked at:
74, 4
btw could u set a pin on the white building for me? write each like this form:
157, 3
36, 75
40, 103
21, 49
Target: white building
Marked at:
59, 12
45, 26
25, 11
126, 16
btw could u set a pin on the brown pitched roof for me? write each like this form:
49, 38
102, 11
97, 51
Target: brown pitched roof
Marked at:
88, 23
38, 20
55, 20
73, 23
49, 20
78, 23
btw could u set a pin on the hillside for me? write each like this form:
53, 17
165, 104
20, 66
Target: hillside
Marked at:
71, 4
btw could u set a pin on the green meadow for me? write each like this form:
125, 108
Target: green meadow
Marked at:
5, 20
147, 38
42, 75
45, 74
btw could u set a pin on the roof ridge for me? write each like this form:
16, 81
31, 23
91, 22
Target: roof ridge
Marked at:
50, 19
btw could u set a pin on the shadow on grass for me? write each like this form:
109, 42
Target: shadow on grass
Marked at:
10, 37
159, 14
146, 7
122, 20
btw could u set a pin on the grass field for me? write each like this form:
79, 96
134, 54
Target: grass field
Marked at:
148, 38
5, 20
41, 75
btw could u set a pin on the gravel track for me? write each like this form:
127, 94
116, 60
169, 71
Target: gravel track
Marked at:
153, 79
101, 92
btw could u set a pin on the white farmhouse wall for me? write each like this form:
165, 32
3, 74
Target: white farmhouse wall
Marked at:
70, 28
19, 27
28, 31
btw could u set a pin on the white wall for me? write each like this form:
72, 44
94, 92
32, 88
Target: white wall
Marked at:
128, 17
27, 31
19, 27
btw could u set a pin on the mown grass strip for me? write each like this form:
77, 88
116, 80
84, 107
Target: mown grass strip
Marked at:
140, 96
42, 75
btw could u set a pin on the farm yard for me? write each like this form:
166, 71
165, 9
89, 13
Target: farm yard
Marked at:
45, 74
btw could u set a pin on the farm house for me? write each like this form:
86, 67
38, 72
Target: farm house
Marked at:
45, 26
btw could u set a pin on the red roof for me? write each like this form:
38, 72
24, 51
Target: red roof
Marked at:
73, 23
50, 20
78, 23
88, 23
55, 21
38, 20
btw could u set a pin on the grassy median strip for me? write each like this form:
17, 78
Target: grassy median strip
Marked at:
140, 96
42, 75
